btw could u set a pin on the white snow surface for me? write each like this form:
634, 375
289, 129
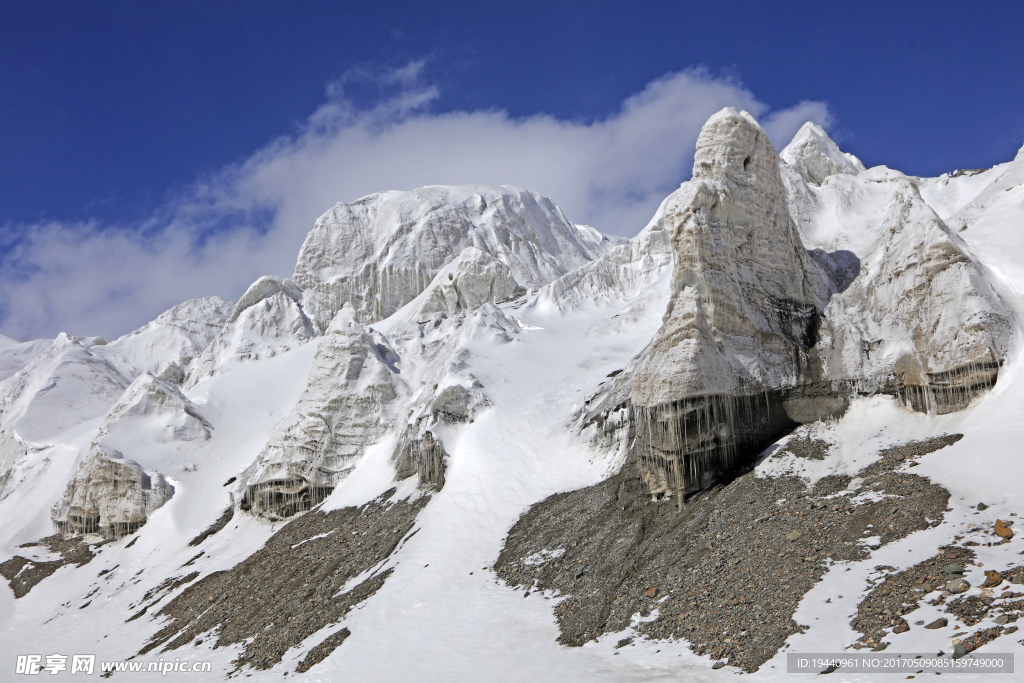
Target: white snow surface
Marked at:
266, 321
814, 155
175, 337
16, 355
379, 252
442, 615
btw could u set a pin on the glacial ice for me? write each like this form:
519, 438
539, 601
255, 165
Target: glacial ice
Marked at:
365, 384
343, 410
761, 334
797, 282
381, 251
468, 282
267, 320
109, 495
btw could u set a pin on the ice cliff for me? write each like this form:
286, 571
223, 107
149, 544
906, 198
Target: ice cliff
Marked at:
794, 281
109, 495
343, 410
381, 251
761, 334
364, 386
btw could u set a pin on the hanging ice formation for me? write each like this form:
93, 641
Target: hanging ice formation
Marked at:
343, 410
109, 495
761, 334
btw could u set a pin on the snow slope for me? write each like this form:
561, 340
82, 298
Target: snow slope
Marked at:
167, 344
16, 355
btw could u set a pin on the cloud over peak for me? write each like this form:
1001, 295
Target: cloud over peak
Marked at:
249, 219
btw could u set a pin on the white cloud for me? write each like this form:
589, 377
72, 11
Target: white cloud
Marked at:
250, 219
782, 125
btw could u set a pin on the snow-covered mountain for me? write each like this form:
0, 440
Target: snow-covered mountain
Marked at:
380, 251
690, 446
167, 345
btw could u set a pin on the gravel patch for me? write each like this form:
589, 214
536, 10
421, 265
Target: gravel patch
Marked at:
892, 457
320, 652
292, 587
155, 595
899, 594
722, 573
221, 522
23, 574
803, 446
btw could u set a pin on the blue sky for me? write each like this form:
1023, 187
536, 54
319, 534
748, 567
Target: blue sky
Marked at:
153, 152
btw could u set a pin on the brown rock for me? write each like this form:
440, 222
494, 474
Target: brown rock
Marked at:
992, 579
1002, 530
901, 627
938, 623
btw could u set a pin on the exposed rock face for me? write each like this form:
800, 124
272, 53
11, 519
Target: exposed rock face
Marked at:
343, 410
379, 252
761, 334
267, 320
109, 495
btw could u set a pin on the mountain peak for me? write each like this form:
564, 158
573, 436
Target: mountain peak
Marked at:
380, 252
816, 157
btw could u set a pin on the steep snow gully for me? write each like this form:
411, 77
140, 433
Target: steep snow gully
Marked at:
470, 439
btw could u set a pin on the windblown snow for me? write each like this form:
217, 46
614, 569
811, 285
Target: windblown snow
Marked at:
471, 351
